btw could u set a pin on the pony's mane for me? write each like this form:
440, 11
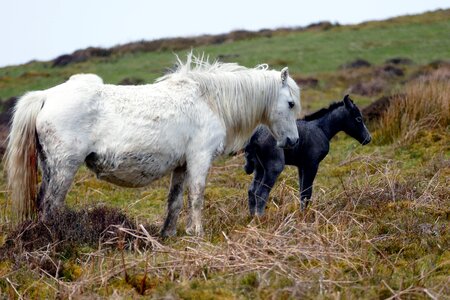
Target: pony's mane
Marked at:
239, 95
202, 65
322, 112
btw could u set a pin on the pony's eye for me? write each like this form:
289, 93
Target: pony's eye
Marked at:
358, 119
291, 104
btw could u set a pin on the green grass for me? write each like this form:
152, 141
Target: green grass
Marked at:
422, 38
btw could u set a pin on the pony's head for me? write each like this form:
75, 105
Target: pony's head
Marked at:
282, 116
354, 124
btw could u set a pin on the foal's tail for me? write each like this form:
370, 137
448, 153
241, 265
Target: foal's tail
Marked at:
250, 157
21, 155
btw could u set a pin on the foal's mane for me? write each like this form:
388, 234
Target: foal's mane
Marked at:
322, 112
243, 97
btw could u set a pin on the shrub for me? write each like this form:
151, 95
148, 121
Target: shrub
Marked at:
423, 105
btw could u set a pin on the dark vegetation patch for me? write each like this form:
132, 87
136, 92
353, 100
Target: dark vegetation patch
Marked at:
376, 109
68, 229
80, 56
391, 71
131, 81
227, 57
5, 117
440, 68
399, 61
306, 82
323, 25
356, 64
368, 88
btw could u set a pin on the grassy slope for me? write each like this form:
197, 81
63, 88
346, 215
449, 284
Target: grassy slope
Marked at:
363, 236
422, 38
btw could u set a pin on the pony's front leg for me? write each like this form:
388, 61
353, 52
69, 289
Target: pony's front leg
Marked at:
197, 172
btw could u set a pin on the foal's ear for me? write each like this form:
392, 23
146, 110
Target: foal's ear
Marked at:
348, 102
284, 75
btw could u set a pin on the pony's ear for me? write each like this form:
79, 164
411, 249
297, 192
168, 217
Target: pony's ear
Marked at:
284, 75
348, 102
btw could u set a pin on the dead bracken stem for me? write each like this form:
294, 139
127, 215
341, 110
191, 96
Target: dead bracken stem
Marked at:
121, 246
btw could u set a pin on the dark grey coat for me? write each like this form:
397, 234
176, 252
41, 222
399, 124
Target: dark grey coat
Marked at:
267, 161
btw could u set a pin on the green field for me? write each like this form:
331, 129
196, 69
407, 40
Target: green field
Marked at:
378, 226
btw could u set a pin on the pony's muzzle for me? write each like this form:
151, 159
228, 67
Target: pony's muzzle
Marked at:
288, 143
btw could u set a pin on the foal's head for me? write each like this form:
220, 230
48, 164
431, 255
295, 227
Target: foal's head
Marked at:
353, 122
283, 114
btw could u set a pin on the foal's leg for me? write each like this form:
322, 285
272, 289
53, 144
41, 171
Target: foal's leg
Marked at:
307, 174
254, 186
272, 170
175, 201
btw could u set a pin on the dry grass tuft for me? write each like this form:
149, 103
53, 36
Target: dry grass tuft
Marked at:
424, 105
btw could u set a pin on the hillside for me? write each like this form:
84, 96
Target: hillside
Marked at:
308, 52
377, 228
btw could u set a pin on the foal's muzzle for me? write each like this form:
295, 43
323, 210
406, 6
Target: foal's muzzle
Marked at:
366, 140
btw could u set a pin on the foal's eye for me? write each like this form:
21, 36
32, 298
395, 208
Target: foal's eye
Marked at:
291, 104
358, 119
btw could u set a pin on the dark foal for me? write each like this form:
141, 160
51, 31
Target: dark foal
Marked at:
267, 160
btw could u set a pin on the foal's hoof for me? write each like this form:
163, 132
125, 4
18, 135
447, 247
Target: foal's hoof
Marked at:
249, 169
168, 233
304, 205
260, 213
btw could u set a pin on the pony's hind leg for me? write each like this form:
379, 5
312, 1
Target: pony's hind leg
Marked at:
58, 171
55, 187
175, 201
45, 177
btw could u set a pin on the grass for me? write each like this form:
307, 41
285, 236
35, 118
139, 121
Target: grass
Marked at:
377, 227
423, 106
306, 53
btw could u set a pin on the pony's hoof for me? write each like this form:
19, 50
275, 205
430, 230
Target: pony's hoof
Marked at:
194, 230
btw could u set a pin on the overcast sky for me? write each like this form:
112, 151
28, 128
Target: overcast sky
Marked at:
44, 29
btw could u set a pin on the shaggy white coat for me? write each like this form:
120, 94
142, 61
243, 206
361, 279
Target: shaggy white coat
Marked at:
132, 135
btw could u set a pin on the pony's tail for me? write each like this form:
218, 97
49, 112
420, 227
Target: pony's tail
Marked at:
21, 156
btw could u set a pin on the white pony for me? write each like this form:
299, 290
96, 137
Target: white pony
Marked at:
132, 135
